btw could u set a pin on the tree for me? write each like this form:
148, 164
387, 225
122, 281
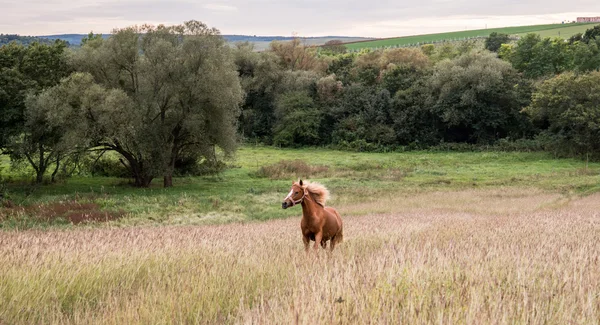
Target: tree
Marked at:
539, 58
298, 120
549, 57
586, 56
478, 97
591, 34
568, 106
335, 47
495, 40
294, 55
183, 90
415, 122
26, 70
524, 52
45, 138
22, 70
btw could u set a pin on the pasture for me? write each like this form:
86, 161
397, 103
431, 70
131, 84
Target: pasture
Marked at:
429, 237
552, 30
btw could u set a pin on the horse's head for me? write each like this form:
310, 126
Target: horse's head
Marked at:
296, 195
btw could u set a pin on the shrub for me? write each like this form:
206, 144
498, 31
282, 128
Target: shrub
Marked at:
291, 169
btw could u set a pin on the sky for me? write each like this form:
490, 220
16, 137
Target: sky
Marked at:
365, 18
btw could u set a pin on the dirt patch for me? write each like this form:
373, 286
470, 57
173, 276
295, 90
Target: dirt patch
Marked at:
73, 211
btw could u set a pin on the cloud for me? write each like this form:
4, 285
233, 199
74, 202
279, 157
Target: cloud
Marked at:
220, 7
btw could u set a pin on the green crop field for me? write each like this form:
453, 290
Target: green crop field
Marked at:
565, 31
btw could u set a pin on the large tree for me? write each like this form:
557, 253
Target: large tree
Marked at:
495, 40
23, 70
568, 106
184, 93
479, 97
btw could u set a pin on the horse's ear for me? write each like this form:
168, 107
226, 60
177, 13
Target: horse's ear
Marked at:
301, 183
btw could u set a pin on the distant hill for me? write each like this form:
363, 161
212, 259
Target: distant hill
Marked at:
73, 39
260, 42
25, 40
551, 30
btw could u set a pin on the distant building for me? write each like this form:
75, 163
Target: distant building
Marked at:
588, 19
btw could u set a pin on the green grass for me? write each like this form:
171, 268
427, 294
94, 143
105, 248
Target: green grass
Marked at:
238, 194
565, 30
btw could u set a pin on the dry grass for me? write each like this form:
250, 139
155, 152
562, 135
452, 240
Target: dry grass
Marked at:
290, 169
502, 256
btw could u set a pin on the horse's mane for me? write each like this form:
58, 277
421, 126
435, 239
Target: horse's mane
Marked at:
319, 192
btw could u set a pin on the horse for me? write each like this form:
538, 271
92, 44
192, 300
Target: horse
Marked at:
319, 223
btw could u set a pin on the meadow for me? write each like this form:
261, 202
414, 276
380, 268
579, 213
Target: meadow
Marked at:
553, 30
430, 237
259, 177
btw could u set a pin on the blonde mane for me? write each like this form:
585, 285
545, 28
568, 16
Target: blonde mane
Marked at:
319, 192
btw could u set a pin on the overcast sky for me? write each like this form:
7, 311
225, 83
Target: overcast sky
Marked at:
370, 18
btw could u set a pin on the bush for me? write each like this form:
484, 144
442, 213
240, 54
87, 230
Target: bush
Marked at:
567, 107
105, 167
291, 169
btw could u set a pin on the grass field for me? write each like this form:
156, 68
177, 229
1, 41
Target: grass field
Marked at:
256, 182
429, 237
479, 256
553, 30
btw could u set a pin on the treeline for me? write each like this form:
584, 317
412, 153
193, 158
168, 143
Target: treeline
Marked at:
539, 93
164, 99
25, 40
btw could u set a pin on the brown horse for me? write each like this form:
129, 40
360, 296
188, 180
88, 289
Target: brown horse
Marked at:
319, 223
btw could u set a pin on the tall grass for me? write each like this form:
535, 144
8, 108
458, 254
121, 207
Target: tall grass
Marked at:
492, 256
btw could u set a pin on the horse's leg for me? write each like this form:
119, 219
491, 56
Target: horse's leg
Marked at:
306, 242
332, 243
324, 244
318, 238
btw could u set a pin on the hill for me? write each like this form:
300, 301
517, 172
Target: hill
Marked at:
25, 40
260, 42
552, 30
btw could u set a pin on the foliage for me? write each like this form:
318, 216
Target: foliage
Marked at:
591, 34
477, 96
495, 40
294, 55
298, 120
334, 47
24, 40
569, 105
24, 70
179, 93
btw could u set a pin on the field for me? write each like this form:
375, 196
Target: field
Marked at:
553, 30
260, 177
430, 237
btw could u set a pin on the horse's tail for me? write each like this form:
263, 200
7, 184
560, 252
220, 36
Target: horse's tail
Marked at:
339, 237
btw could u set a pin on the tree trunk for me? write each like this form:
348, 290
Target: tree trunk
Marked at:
56, 169
140, 176
168, 180
41, 169
142, 180
39, 178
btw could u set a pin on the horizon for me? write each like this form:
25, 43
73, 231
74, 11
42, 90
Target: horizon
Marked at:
310, 18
